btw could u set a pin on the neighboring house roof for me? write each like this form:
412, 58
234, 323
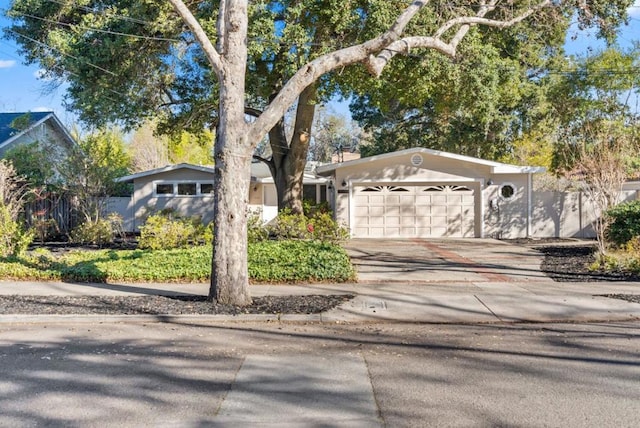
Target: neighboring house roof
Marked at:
168, 168
260, 173
9, 134
496, 167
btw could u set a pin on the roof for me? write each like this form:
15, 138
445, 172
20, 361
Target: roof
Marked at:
168, 168
259, 173
496, 167
8, 133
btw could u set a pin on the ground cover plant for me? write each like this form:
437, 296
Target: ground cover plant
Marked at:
269, 261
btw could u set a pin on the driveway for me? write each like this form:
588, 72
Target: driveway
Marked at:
444, 260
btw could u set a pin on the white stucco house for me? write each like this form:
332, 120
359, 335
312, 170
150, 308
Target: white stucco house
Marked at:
413, 193
187, 189
424, 193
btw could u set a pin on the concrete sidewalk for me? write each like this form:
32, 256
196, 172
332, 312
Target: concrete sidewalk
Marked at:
483, 302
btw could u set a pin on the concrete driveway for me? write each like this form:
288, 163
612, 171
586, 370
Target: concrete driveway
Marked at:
444, 260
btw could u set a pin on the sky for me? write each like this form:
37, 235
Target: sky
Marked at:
22, 90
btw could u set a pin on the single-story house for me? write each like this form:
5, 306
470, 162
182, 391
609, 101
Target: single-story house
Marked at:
424, 193
413, 193
187, 189
30, 127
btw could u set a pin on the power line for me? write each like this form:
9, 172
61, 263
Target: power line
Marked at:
98, 30
60, 51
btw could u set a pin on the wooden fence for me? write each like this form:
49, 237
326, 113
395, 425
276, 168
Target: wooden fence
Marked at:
51, 215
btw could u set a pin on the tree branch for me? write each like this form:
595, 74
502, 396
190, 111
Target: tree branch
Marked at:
313, 70
377, 63
200, 35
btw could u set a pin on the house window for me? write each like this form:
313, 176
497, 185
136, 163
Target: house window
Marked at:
187, 189
206, 188
507, 191
316, 193
183, 188
164, 189
309, 192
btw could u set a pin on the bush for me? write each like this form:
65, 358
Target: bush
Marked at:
625, 223
14, 240
99, 233
320, 226
166, 231
256, 230
325, 229
289, 226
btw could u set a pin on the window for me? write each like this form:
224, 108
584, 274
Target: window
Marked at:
507, 191
206, 188
183, 188
164, 189
187, 189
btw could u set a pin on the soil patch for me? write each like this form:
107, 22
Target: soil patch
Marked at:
571, 263
164, 305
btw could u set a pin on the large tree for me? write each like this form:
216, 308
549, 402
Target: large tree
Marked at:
220, 30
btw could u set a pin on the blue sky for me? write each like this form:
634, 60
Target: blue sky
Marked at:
21, 90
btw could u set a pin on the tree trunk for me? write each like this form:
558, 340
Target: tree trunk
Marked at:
289, 160
229, 271
230, 277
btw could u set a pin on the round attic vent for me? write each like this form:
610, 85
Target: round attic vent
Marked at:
416, 160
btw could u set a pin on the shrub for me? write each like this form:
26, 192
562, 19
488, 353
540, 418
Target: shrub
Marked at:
625, 222
256, 230
166, 231
289, 226
324, 228
100, 232
14, 240
320, 226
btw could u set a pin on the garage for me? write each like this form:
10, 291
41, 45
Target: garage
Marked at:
425, 193
413, 211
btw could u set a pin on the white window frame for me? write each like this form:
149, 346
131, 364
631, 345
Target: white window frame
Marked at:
510, 198
175, 183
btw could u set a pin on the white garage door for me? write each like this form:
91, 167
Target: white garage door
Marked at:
413, 211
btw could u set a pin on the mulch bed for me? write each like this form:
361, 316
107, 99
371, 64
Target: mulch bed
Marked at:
571, 263
164, 305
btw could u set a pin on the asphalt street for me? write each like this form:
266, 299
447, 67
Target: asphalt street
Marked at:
325, 375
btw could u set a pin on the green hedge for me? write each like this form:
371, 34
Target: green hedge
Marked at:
294, 261
625, 222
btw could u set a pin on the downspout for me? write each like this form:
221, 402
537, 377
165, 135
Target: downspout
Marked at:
481, 214
529, 203
350, 205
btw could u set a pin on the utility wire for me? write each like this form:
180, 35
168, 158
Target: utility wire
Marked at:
98, 30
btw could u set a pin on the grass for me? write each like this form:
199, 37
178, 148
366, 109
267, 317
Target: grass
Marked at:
269, 261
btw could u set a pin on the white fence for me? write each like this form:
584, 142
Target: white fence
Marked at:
566, 214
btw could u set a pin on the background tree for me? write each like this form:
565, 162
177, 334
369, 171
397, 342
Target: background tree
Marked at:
220, 30
147, 150
89, 172
598, 134
332, 133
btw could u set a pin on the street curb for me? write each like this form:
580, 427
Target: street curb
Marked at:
160, 318
276, 318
